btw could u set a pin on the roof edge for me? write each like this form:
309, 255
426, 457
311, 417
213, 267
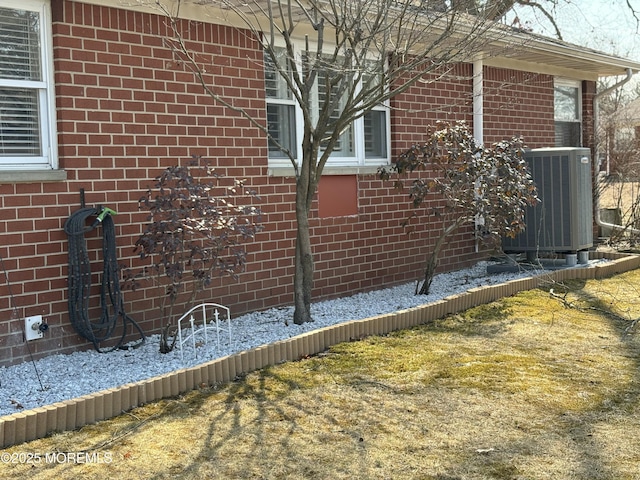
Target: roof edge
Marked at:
514, 47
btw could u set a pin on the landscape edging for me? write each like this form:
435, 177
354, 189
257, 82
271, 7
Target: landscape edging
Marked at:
71, 414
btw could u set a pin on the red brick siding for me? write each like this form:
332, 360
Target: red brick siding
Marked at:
127, 108
588, 96
440, 96
518, 104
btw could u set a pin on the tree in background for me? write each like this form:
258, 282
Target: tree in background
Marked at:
617, 189
618, 131
490, 184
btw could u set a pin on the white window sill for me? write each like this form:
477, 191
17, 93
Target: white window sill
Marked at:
328, 170
32, 176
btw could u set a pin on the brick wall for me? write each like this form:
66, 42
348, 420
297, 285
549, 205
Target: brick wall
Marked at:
444, 95
520, 103
588, 96
127, 108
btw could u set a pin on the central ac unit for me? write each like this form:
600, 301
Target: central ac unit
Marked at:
563, 219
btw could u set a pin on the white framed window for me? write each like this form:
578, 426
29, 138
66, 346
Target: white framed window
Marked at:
281, 114
376, 130
27, 104
568, 113
363, 143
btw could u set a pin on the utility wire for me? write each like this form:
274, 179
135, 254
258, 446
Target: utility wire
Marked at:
16, 314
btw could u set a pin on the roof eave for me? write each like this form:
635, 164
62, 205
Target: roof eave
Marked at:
514, 48
555, 55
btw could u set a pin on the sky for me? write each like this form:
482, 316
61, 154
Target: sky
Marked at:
605, 25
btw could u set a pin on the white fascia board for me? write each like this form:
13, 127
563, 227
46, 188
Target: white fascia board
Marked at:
514, 49
543, 68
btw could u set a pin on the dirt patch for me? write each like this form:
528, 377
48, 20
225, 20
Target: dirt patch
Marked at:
535, 386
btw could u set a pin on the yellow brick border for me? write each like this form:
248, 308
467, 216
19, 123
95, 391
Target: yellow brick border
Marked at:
72, 414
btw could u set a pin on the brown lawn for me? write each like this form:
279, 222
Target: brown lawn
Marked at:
531, 387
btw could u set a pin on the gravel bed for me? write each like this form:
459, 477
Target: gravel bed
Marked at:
68, 376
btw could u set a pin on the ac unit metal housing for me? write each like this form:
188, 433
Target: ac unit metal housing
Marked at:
563, 219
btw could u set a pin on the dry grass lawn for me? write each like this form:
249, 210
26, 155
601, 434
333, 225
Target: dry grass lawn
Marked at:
529, 387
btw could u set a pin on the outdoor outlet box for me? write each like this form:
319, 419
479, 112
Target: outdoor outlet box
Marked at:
32, 327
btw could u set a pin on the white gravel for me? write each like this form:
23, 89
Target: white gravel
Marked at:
68, 376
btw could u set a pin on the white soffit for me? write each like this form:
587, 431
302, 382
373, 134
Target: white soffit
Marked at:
514, 49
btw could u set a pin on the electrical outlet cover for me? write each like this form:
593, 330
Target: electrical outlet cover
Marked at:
31, 327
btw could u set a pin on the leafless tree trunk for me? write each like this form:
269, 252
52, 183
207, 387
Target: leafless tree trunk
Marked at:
339, 60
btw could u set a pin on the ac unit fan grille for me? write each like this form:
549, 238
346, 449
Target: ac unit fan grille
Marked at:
562, 221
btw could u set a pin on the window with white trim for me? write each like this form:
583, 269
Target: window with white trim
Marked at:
567, 113
363, 143
281, 114
27, 125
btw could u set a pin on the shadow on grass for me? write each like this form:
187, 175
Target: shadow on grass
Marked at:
270, 411
441, 402
263, 391
484, 320
602, 304
274, 412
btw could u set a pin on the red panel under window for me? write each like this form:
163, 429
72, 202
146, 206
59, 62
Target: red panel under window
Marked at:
338, 196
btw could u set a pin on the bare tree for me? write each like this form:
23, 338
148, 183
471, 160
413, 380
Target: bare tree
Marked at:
616, 187
497, 9
619, 119
363, 53
338, 60
542, 9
